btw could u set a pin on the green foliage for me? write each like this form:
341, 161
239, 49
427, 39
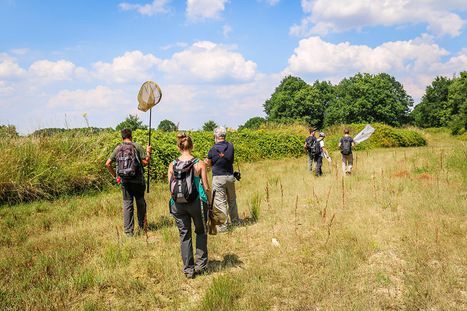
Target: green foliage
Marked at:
253, 123
73, 162
167, 126
358, 99
444, 104
366, 98
222, 293
209, 126
7, 131
131, 122
294, 99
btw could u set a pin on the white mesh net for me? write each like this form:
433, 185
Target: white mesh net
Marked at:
149, 95
364, 134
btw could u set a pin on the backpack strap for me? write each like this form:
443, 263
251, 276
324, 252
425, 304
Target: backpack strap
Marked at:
221, 154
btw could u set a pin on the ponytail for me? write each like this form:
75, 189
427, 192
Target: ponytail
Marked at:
184, 141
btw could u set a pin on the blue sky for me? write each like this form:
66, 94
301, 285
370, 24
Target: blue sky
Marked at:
213, 59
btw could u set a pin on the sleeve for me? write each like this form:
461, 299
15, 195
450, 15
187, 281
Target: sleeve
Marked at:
321, 142
211, 153
113, 156
141, 152
340, 141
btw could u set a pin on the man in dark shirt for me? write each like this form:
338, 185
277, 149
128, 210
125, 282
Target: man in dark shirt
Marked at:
345, 145
221, 158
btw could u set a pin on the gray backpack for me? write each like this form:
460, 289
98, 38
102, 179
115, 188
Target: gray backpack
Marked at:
182, 183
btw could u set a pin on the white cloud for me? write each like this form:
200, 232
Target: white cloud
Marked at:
157, 6
44, 71
208, 62
198, 10
415, 62
130, 66
341, 15
10, 70
226, 29
98, 98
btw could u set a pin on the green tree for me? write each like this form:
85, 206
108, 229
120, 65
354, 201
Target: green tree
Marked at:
131, 122
294, 99
8, 131
167, 126
435, 109
369, 98
253, 123
457, 100
209, 126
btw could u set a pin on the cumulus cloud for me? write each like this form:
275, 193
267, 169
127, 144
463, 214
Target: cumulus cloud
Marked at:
130, 66
414, 61
45, 71
341, 15
98, 98
157, 6
208, 62
198, 10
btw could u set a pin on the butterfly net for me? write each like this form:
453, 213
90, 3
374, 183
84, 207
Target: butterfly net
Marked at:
149, 95
364, 134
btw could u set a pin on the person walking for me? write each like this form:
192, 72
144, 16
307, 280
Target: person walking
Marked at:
221, 158
312, 150
346, 144
130, 158
323, 154
190, 202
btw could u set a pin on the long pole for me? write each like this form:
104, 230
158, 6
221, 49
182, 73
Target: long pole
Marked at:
149, 162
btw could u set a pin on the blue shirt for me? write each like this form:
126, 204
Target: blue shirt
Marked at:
222, 165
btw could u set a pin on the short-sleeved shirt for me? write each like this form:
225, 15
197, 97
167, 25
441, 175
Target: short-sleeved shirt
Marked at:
222, 165
347, 138
140, 152
321, 145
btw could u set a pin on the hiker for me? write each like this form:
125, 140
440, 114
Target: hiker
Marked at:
130, 158
322, 153
190, 201
221, 159
346, 144
312, 150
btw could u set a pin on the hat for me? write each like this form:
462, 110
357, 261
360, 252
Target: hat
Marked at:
322, 135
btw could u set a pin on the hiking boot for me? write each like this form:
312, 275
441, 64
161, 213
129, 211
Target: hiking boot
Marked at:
190, 275
237, 222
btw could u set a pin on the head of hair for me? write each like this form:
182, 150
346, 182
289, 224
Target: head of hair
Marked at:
184, 142
346, 131
126, 133
220, 132
312, 130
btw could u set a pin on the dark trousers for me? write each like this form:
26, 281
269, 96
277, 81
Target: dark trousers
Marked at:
183, 213
133, 190
319, 163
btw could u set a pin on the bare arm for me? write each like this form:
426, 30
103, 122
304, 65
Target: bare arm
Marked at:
148, 152
110, 167
204, 178
340, 145
170, 171
208, 162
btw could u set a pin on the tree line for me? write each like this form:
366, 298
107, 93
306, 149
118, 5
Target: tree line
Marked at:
367, 98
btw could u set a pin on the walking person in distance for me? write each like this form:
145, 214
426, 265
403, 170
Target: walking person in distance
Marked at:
346, 144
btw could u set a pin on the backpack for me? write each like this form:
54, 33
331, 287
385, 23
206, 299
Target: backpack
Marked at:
182, 182
128, 163
313, 146
346, 147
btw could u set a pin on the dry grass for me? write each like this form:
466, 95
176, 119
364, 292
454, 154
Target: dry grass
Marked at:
385, 237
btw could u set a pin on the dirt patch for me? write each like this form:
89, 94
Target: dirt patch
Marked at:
425, 176
401, 174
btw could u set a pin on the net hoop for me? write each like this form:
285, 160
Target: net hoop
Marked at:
149, 95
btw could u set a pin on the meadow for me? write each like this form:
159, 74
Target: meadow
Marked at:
391, 236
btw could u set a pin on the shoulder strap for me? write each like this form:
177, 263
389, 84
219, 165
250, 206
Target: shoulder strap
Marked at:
221, 154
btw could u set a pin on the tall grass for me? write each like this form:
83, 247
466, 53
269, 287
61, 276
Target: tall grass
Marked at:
398, 243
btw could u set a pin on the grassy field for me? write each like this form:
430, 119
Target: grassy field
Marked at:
393, 235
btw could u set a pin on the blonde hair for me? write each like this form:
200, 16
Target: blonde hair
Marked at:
184, 141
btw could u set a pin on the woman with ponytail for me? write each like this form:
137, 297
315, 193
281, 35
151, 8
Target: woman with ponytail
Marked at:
190, 203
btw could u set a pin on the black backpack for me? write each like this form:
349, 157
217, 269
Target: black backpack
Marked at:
128, 163
312, 145
346, 147
182, 183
